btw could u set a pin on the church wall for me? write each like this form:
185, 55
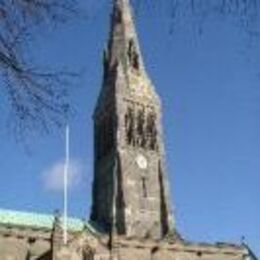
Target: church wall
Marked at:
179, 251
22, 243
13, 248
169, 255
144, 254
129, 253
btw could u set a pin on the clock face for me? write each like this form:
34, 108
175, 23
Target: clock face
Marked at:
141, 161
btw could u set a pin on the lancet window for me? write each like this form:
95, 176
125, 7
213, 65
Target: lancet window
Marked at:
130, 126
141, 128
151, 131
118, 16
144, 187
140, 131
133, 55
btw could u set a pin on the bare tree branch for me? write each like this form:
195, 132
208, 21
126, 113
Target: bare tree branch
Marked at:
37, 98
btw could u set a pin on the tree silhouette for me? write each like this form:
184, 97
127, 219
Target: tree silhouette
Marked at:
37, 97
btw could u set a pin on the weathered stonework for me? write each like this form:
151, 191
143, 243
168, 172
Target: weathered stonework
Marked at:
131, 216
28, 243
23, 243
130, 191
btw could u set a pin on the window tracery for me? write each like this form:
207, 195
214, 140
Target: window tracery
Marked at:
140, 131
141, 128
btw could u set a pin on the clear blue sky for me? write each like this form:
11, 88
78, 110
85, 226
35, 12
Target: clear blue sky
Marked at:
210, 88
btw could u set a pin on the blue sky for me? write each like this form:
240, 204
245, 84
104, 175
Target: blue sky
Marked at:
210, 88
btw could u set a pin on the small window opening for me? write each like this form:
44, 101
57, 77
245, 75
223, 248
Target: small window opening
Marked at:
118, 16
144, 187
132, 55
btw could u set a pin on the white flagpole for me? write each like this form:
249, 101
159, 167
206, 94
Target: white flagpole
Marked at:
65, 206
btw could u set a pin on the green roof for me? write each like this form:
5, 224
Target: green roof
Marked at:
35, 220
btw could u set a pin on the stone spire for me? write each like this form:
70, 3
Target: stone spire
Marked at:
124, 70
130, 187
123, 42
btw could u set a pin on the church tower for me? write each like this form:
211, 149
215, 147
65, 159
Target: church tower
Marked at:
130, 189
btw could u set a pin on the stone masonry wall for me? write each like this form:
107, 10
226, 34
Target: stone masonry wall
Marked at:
23, 243
179, 251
